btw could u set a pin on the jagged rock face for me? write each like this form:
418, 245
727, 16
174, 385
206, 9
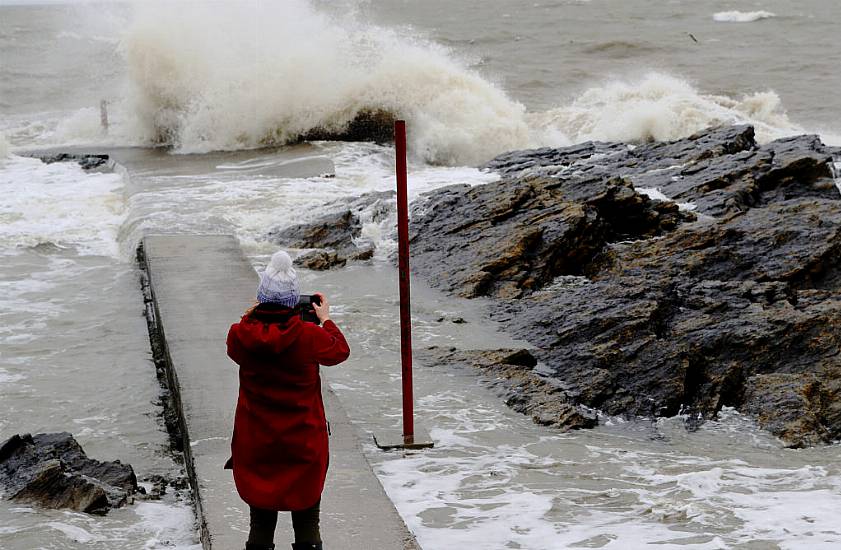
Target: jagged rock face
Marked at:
639, 308
507, 238
52, 470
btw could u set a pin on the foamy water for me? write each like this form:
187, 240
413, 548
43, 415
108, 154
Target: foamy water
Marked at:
59, 204
231, 196
472, 81
495, 480
742, 16
73, 353
285, 69
659, 107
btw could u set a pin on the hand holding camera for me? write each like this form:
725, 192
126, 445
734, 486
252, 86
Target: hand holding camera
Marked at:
321, 307
314, 308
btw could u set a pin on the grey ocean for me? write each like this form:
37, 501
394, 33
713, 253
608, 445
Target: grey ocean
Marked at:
224, 85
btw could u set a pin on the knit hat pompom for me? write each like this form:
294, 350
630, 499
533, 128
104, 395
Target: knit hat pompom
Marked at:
279, 282
280, 267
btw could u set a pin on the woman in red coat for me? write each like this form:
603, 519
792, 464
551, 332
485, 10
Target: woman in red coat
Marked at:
279, 447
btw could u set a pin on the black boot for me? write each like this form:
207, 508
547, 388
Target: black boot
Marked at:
252, 546
306, 546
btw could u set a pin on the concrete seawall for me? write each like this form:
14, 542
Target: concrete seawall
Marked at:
196, 286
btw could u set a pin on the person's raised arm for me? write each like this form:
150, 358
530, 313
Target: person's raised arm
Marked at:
329, 343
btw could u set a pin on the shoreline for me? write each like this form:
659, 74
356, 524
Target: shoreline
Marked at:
646, 306
444, 318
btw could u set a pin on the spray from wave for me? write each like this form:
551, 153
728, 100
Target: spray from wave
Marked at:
658, 107
261, 73
242, 75
742, 16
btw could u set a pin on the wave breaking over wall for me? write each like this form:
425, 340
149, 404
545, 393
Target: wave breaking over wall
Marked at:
742, 16
240, 75
249, 74
658, 107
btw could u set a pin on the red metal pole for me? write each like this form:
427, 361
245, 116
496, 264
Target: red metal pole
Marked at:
403, 253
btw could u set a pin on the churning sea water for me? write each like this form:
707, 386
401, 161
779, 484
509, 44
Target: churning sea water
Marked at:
218, 82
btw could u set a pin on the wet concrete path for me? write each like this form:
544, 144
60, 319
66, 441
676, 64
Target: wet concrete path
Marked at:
200, 284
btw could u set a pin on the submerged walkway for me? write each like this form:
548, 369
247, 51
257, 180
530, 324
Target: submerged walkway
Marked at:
199, 285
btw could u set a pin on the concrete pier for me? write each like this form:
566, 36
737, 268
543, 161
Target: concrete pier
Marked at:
198, 285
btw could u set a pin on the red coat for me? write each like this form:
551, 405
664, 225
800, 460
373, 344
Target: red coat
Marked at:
279, 447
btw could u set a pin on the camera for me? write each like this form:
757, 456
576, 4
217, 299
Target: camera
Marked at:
306, 310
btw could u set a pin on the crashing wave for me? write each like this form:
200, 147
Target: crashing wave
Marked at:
261, 73
742, 16
658, 107
256, 74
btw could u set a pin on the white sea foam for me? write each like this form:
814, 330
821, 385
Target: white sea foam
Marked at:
742, 16
837, 173
658, 107
284, 68
4, 148
166, 524
234, 199
655, 194
61, 204
69, 35
494, 481
169, 525
73, 532
7, 378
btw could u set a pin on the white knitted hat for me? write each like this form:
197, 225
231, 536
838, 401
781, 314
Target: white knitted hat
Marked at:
279, 282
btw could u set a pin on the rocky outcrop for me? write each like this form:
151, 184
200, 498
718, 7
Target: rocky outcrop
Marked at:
509, 238
87, 162
333, 231
641, 306
52, 470
336, 238
373, 125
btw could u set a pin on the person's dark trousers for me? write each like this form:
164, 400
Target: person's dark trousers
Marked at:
305, 523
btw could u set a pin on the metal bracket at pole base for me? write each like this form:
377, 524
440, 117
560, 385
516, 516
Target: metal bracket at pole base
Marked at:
392, 441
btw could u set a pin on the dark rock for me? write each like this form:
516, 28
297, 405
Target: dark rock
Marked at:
554, 161
747, 177
337, 237
160, 486
631, 305
361, 254
320, 260
789, 405
619, 159
331, 231
87, 162
512, 375
712, 143
506, 238
368, 125
52, 470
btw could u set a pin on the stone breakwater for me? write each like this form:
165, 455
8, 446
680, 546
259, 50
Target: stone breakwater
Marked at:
727, 294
